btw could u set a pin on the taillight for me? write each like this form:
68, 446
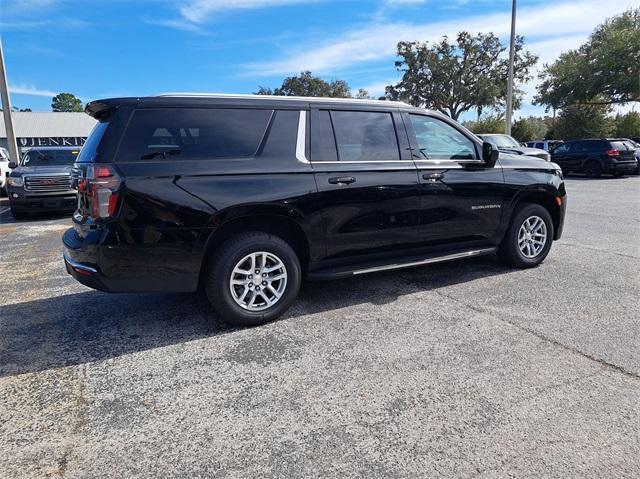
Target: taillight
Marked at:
102, 186
613, 153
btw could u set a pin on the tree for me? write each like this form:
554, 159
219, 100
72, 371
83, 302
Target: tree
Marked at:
454, 77
66, 102
627, 125
363, 94
489, 123
306, 84
582, 121
606, 69
530, 128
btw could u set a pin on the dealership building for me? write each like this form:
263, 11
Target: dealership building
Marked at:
42, 129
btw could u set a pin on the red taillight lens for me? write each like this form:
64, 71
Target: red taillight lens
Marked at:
613, 153
102, 185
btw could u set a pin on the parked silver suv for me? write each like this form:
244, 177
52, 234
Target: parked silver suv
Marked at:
508, 144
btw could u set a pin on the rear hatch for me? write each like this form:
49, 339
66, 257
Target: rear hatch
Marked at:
625, 151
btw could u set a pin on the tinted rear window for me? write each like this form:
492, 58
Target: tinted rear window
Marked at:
365, 136
620, 145
323, 143
88, 151
193, 134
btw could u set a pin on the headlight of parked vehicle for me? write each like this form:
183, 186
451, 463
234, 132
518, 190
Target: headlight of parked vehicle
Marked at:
15, 181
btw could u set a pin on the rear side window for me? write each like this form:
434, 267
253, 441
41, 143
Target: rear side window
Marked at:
88, 151
365, 136
540, 145
174, 134
323, 143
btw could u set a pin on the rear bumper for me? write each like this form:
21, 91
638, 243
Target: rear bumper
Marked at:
84, 258
626, 167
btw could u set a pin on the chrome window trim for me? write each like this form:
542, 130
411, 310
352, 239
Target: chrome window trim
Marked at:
301, 141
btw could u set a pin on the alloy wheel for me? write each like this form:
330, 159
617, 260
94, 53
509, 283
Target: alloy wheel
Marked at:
532, 236
258, 281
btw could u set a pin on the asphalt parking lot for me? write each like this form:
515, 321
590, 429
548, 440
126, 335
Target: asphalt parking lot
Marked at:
468, 369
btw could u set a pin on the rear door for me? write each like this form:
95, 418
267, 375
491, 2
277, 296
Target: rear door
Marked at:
368, 186
458, 203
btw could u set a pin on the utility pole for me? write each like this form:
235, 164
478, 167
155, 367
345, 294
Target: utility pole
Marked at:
6, 109
512, 52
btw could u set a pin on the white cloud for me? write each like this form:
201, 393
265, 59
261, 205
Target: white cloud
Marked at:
30, 90
377, 89
197, 11
553, 28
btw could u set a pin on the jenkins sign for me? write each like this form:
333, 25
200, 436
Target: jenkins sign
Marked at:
52, 141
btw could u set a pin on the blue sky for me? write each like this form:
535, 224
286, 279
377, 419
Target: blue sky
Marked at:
102, 48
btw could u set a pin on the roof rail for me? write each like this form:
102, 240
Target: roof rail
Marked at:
278, 97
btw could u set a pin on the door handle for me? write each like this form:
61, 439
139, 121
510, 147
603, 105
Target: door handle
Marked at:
433, 176
342, 180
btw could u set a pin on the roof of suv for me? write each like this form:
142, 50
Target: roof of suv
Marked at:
98, 108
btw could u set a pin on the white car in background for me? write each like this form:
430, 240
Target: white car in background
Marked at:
546, 145
4, 170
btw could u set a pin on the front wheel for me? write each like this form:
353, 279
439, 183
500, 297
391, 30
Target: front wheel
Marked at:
252, 278
528, 239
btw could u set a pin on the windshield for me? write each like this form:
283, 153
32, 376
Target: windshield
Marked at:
501, 141
49, 157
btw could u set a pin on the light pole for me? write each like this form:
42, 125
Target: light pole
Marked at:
512, 52
6, 109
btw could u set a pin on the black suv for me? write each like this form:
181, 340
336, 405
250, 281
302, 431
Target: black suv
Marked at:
593, 157
42, 181
244, 196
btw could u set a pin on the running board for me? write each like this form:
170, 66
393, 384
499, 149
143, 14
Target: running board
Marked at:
406, 262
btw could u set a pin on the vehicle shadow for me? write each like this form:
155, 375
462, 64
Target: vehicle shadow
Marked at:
577, 177
93, 326
7, 218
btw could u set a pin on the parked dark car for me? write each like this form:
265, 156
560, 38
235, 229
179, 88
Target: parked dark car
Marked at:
245, 196
595, 157
42, 181
636, 141
508, 144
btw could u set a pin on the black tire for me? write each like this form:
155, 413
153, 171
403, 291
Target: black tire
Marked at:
19, 215
509, 250
219, 273
593, 169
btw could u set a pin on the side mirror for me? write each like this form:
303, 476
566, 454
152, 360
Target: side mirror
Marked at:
13, 164
489, 155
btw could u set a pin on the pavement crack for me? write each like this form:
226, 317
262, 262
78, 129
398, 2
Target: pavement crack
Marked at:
541, 336
76, 421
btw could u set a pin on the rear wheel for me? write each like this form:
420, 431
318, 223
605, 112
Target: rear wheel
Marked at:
593, 169
528, 239
252, 278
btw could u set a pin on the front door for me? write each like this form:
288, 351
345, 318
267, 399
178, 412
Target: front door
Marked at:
568, 156
368, 186
461, 198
